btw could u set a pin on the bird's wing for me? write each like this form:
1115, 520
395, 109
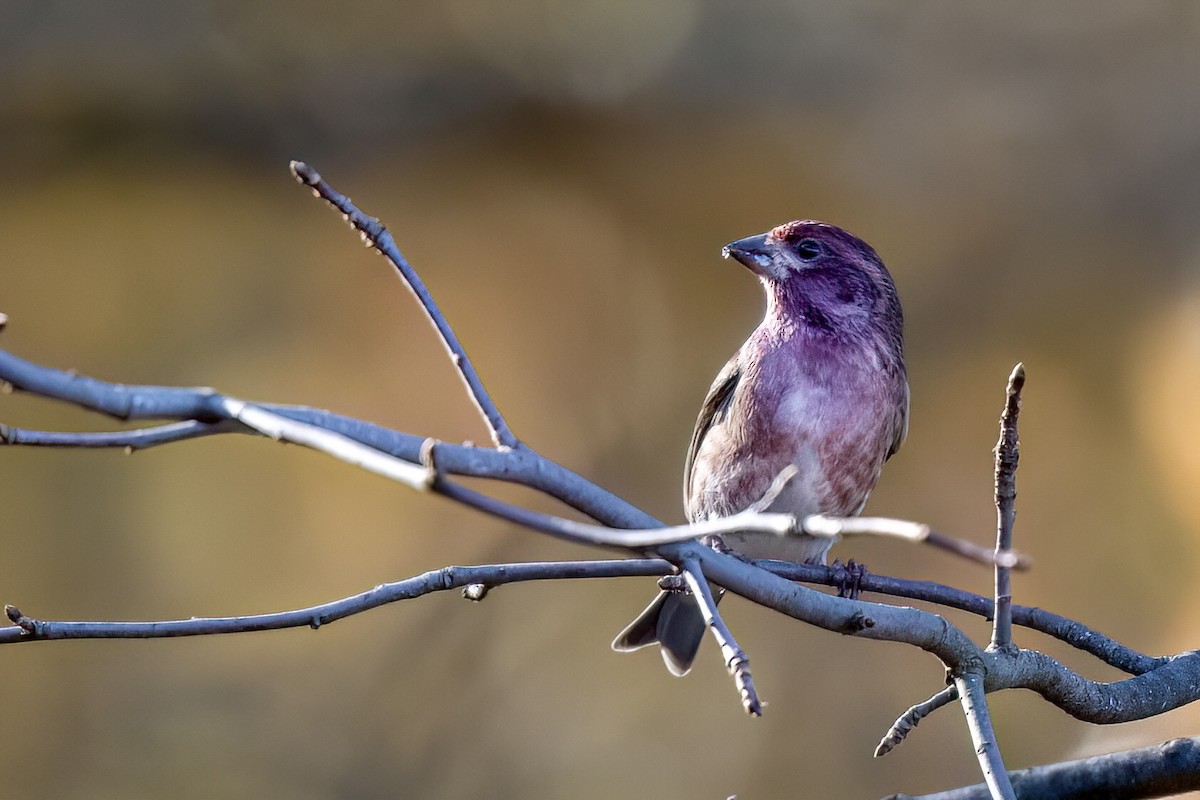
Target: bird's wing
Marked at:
901, 425
716, 406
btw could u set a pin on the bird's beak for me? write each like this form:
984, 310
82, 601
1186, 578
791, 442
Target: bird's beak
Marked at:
753, 252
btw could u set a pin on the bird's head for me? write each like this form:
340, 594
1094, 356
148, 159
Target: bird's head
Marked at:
822, 276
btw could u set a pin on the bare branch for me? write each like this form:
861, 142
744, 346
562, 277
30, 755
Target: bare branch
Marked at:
1160, 770
375, 234
983, 735
1008, 452
29, 629
736, 660
522, 466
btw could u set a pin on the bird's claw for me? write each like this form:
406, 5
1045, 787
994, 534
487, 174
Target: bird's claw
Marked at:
848, 578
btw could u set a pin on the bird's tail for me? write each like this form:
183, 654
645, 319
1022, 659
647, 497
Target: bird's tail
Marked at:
672, 621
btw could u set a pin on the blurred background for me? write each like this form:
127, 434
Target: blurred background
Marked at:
563, 175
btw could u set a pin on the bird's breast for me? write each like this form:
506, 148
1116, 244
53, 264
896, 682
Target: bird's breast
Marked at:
834, 422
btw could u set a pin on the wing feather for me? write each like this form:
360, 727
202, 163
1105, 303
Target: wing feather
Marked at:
713, 412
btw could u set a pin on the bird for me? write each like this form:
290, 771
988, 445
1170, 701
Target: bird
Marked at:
819, 389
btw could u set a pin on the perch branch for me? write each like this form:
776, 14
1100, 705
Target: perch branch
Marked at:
1073, 633
523, 466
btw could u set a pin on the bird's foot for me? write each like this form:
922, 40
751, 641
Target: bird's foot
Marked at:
848, 578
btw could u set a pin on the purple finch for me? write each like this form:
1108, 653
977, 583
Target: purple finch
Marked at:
820, 384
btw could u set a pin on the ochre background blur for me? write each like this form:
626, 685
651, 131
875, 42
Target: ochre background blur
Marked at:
564, 175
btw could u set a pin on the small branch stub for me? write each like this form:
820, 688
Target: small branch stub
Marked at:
910, 719
1008, 451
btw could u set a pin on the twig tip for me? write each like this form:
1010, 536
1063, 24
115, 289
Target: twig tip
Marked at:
3, 320
13, 613
305, 174
1016, 380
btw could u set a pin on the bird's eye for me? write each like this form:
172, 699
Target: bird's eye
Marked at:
808, 249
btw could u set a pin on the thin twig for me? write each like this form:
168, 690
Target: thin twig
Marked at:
736, 660
375, 234
28, 629
604, 536
887, 527
132, 440
911, 718
971, 551
1008, 451
983, 735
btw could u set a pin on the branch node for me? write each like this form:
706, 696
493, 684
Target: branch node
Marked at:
315, 622
28, 624
857, 622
